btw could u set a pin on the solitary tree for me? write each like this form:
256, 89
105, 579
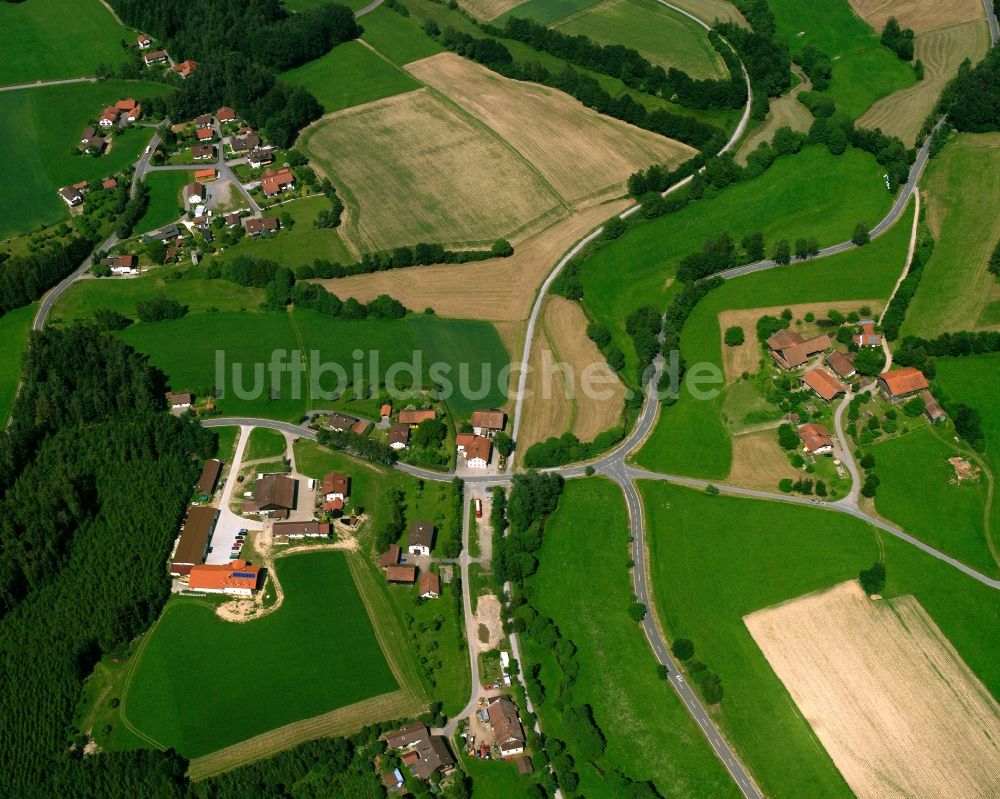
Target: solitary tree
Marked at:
504, 443
683, 649
873, 580
711, 688
914, 407
787, 437
861, 235
637, 611
735, 336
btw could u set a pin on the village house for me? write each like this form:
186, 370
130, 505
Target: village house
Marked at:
226, 114
205, 175
336, 490
143, 41
109, 183
867, 337
399, 436
88, 134
274, 495
272, 183
932, 408
204, 121
130, 108
385, 411
260, 156
94, 145
245, 141
82, 186
307, 529
413, 417
360, 427
185, 68
209, 476
405, 574
108, 118
899, 384
339, 422
155, 57
193, 543
423, 753
122, 264
392, 781
826, 386
430, 585
790, 350
475, 449
167, 233
815, 438
70, 196
390, 557
203, 152
487, 423
233, 219
205, 134
236, 578
179, 401
841, 364
506, 724
201, 222
420, 540
254, 226
195, 193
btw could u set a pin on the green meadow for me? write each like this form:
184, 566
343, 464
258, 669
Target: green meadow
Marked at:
690, 436
201, 683
583, 584
52, 39
264, 443
749, 554
660, 34
863, 69
42, 128
786, 202
166, 204
547, 11
14, 329
398, 38
351, 74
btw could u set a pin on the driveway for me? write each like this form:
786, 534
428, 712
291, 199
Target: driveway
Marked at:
229, 523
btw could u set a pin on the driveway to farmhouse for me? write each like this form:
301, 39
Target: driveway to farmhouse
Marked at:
229, 524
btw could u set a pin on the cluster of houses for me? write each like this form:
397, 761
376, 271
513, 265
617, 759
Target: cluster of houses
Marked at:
153, 57
421, 752
127, 110
74, 195
420, 542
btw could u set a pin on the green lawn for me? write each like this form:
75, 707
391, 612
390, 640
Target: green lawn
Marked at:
962, 191
14, 328
166, 204
918, 492
690, 437
264, 443
42, 128
863, 70
49, 39
975, 381
649, 734
351, 74
302, 244
397, 37
546, 11
494, 779
226, 442
716, 559
201, 683
661, 34
786, 202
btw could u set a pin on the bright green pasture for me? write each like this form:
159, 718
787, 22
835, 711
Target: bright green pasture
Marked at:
264, 443
14, 329
165, 201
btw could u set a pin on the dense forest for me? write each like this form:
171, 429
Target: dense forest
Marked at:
261, 38
25, 278
94, 477
972, 99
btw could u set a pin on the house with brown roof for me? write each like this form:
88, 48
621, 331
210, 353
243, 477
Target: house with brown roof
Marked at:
236, 578
407, 736
433, 755
506, 724
420, 540
233, 219
226, 114
260, 156
185, 68
205, 175
932, 408
71, 196
155, 57
195, 193
385, 410
245, 141
486, 423
897, 384
867, 337
475, 449
815, 438
204, 134
336, 485
209, 476
109, 116
406, 574
416, 416
841, 364
122, 264
272, 183
180, 400
339, 422
399, 436
824, 384
790, 350
204, 121
88, 133
305, 529
143, 41
390, 557
192, 546
430, 585
203, 152
109, 183
275, 494
254, 226
94, 145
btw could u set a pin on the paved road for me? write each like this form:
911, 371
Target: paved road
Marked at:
39, 83
991, 19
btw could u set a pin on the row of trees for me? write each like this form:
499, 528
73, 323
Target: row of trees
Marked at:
677, 313
533, 496
766, 59
25, 278
634, 70
972, 99
494, 55
896, 312
359, 446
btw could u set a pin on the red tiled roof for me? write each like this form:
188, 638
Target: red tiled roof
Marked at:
491, 420
823, 383
416, 417
406, 573
814, 436
902, 381
273, 182
336, 483
235, 574
430, 583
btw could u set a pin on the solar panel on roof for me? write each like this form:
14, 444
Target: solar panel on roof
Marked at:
244, 574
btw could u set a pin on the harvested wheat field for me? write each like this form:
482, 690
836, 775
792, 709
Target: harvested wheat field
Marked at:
746, 357
899, 712
414, 168
499, 290
562, 339
486, 10
903, 113
710, 10
759, 462
785, 112
586, 157
920, 15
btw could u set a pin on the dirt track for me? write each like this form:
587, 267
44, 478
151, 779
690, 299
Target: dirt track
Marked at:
894, 704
